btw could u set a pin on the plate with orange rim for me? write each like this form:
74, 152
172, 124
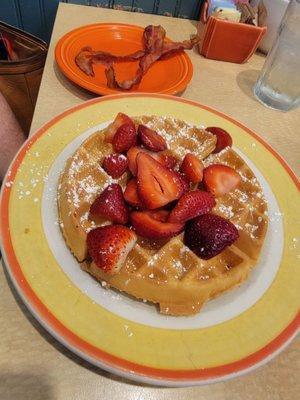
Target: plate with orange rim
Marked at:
169, 76
232, 335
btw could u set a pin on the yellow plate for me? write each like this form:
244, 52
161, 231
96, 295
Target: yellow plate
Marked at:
232, 335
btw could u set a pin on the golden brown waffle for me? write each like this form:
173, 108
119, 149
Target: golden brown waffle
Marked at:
166, 272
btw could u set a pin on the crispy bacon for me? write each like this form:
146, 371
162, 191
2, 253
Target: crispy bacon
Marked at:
87, 57
171, 48
107, 58
144, 65
84, 61
155, 48
153, 39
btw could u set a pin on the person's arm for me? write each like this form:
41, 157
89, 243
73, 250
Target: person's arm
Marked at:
11, 136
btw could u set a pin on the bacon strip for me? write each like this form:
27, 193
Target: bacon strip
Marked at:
153, 39
144, 65
172, 48
87, 57
103, 57
155, 48
84, 61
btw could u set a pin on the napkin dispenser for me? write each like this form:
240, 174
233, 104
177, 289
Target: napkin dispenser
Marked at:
226, 40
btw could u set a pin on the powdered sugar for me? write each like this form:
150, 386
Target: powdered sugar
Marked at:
185, 133
152, 261
180, 268
184, 249
226, 211
185, 140
250, 229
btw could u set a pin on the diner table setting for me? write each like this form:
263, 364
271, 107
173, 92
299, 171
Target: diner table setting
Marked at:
149, 225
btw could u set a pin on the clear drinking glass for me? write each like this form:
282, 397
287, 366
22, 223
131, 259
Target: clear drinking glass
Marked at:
278, 85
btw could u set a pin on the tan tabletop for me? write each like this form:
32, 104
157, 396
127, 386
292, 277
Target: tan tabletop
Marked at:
32, 364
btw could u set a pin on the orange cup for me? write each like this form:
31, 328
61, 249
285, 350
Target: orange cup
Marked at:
226, 40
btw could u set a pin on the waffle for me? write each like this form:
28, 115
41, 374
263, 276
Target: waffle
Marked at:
166, 272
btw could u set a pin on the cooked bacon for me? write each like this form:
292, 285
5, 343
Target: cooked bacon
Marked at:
126, 85
144, 65
84, 61
107, 58
87, 57
171, 48
155, 48
153, 39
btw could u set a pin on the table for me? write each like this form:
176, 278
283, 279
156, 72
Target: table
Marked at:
33, 365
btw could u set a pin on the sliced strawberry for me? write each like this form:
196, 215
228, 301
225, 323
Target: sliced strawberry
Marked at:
109, 246
223, 138
131, 194
191, 205
133, 152
111, 205
124, 138
209, 234
167, 160
220, 179
151, 139
131, 156
120, 119
157, 185
192, 167
185, 184
154, 225
115, 165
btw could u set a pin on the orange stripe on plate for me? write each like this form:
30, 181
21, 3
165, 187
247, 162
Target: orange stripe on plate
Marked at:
83, 346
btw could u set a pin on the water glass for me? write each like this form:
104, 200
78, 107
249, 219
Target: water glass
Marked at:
278, 85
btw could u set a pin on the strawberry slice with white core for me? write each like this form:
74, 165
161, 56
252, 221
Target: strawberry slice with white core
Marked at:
166, 160
109, 246
220, 179
156, 184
